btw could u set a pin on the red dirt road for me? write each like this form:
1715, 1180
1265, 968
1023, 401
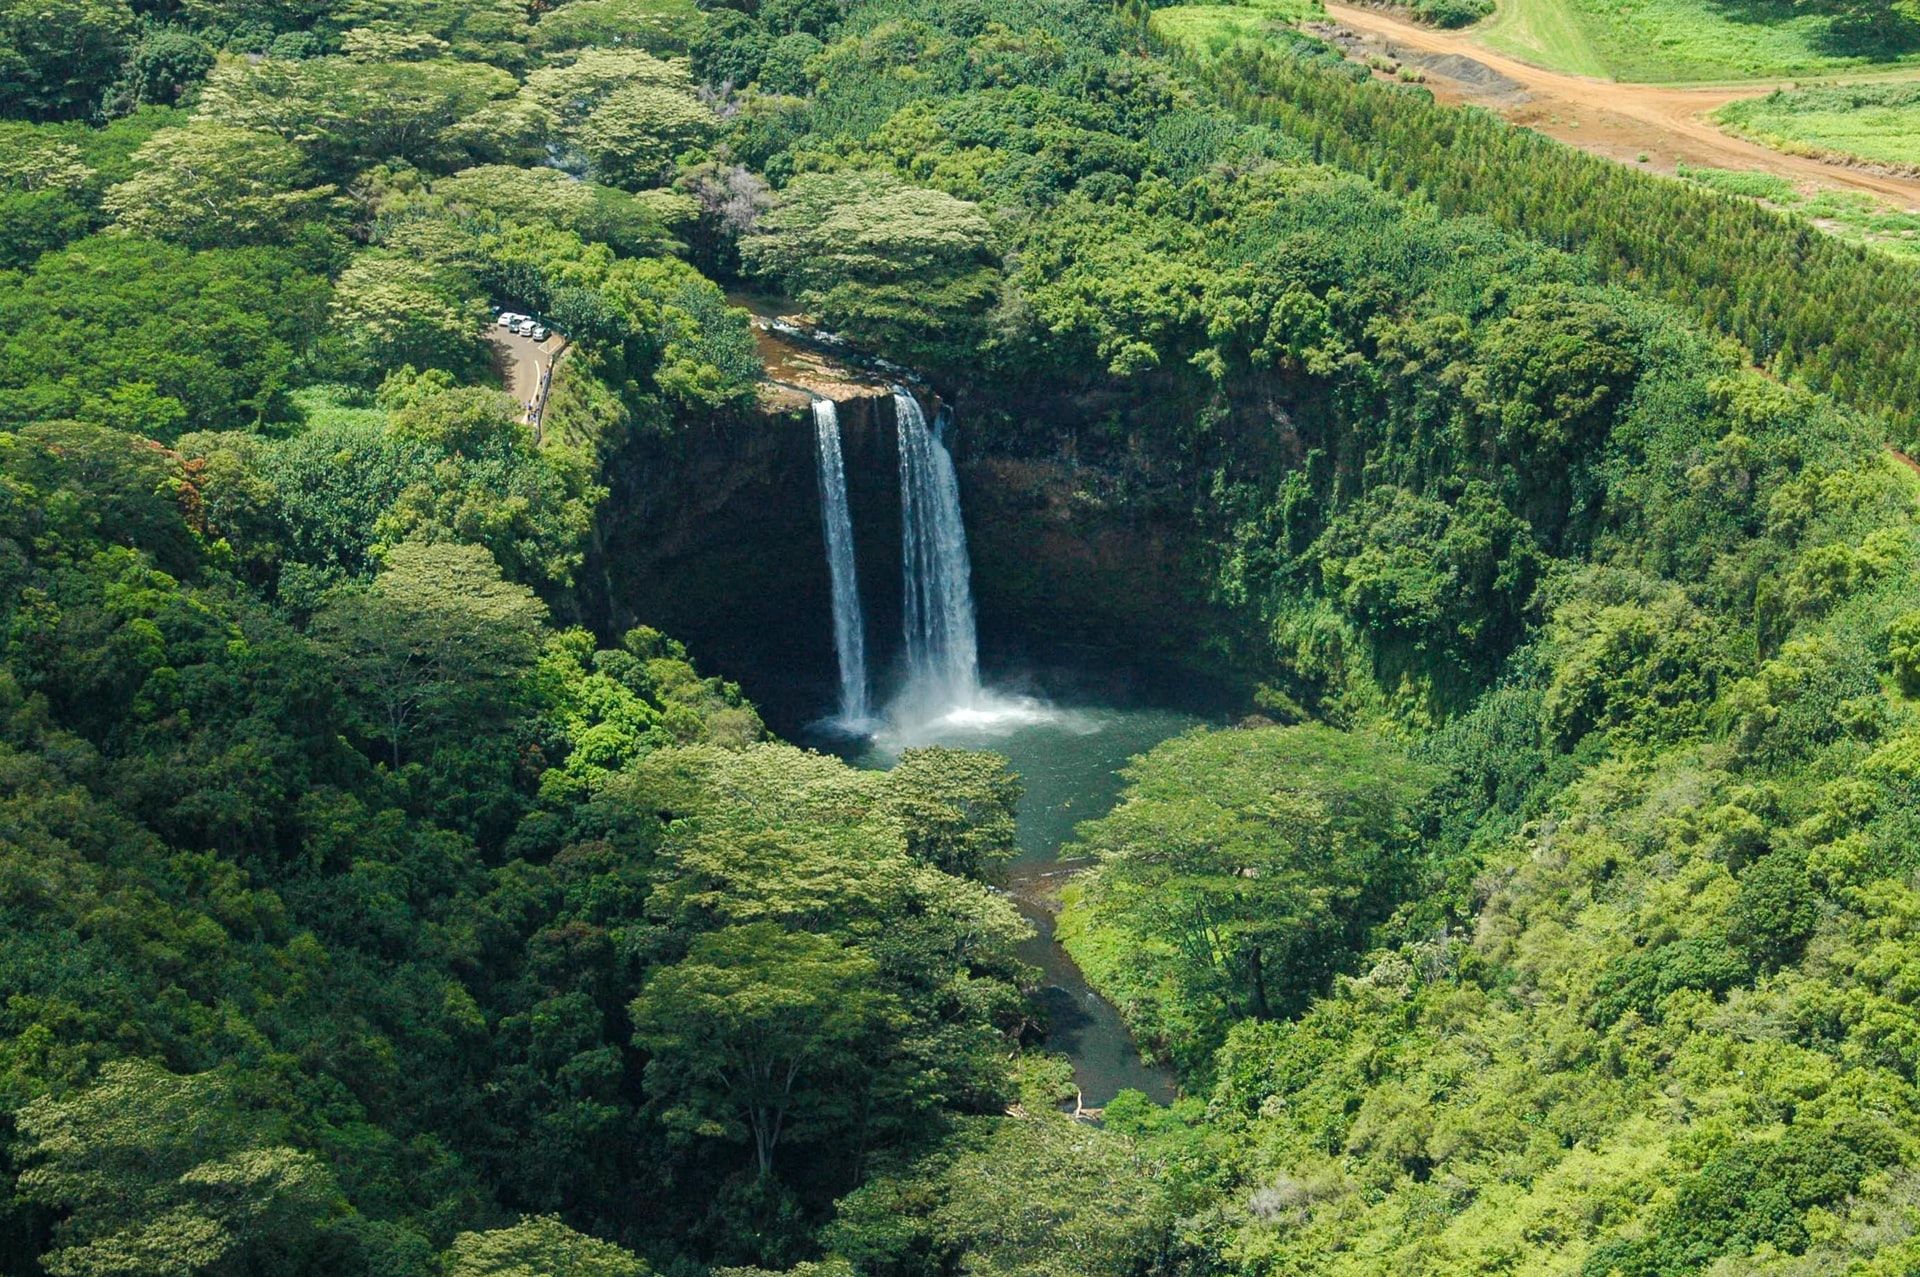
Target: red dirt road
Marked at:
1619, 121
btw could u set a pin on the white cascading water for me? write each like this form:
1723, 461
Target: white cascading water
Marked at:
849, 627
943, 666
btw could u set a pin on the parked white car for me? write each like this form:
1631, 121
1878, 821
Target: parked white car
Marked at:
539, 333
508, 319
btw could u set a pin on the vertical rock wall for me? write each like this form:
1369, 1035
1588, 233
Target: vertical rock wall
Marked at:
713, 535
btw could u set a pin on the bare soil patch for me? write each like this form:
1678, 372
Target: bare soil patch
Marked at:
1620, 121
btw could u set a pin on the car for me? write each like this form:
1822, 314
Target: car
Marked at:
539, 333
523, 327
508, 319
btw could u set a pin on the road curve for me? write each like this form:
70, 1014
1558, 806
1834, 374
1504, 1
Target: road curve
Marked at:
524, 363
1620, 121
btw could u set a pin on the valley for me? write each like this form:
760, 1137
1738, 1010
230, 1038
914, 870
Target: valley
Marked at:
1224, 641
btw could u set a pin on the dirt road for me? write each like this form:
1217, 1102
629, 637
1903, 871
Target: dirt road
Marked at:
1620, 121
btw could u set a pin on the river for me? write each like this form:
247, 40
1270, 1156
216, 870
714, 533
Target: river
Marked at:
1069, 759
1068, 756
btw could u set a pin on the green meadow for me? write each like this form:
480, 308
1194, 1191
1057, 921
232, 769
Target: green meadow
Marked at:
1874, 123
1672, 41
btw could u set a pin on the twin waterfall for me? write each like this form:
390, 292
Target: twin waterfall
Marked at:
943, 665
942, 658
849, 627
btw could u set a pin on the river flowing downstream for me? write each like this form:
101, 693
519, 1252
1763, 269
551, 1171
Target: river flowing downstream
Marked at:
1069, 760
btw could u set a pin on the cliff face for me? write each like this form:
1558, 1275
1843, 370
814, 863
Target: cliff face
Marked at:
713, 534
1065, 564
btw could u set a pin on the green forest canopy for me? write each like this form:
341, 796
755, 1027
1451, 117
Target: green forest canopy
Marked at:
364, 912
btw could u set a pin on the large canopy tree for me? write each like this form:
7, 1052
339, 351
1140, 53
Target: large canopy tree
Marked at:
1246, 865
161, 1175
438, 637
906, 268
211, 186
762, 1034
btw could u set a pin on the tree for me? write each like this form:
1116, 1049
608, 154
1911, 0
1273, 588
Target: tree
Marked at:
782, 835
31, 161
212, 186
164, 65
350, 115
1034, 1196
57, 56
729, 48
634, 136
761, 1035
1447, 581
483, 31
784, 70
330, 484
1547, 379
383, 44
438, 637
538, 1246
1251, 861
532, 509
576, 89
162, 1177
391, 310
44, 191
831, 227
151, 336
957, 808
901, 266
1903, 652
660, 27
594, 212
1633, 656
627, 113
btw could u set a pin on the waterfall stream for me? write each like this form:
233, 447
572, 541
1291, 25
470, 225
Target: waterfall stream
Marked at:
849, 627
943, 668
1070, 761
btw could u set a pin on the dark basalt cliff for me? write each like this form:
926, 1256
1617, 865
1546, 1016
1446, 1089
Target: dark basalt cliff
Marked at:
712, 533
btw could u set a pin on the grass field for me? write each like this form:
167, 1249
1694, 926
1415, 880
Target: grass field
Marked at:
1672, 41
1849, 215
1877, 123
1209, 30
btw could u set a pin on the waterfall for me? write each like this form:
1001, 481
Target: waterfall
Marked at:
942, 659
849, 628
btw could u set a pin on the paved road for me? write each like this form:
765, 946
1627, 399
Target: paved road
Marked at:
522, 360
1620, 121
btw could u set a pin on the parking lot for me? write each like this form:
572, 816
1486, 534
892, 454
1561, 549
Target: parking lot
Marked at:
523, 361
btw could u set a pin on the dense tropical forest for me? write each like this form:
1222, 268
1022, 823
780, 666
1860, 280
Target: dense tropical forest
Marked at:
374, 901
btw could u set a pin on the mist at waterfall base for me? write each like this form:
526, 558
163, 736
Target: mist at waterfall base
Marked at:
940, 692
